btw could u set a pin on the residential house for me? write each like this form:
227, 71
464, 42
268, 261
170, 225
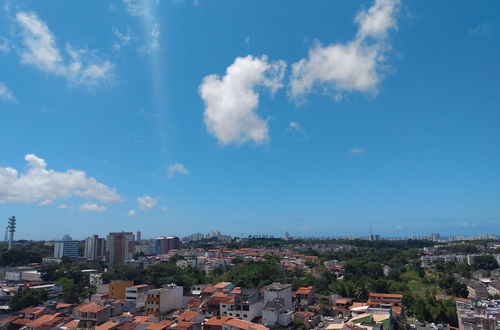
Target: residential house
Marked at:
305, 296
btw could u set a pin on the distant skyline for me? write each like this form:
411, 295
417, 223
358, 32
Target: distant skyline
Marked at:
324, 118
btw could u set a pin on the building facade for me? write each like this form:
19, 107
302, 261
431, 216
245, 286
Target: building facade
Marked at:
163, 244
119, 247
95, 248
66, 249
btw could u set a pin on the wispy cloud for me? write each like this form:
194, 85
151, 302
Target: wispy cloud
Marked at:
177, 168
78, 66
132, 213
296, 127
482, 29
123, 38
6, 94
147, 202
357, 151
146, 11
92, 207
4, 45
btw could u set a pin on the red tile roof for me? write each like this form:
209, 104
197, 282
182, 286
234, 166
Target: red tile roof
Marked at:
304, 290
386, 295
217, 320
222, 285
107, 326
91, 307
156, 326
32, 310
183, 325
62, 305
187, 316
71, 324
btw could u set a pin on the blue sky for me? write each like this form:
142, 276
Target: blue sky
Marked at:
252, 117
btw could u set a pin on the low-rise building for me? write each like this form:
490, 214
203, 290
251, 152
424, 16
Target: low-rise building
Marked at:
137, 295
117, 289
304, 297
161, 301
92, 314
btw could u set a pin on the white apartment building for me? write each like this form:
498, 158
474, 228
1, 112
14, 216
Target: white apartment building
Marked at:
161, 301
137, 295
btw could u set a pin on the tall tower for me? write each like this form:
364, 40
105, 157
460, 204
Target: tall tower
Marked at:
12, 229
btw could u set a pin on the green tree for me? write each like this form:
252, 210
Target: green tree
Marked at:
252, 274
486, 262
70, 290
28, 298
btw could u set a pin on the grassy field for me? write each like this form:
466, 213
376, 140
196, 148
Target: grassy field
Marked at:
421, 285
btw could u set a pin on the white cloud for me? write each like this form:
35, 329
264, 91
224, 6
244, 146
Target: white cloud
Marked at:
357, 151
123, 38
231, 101
4, 45
145, 10
147, 202
164, 208
92, 207
353, 66
39, 184
63, 206
132, 213
46, 202
6, 94
295, 127
177, 168
80, 67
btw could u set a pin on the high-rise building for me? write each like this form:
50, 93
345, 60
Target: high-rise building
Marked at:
435, 237
138, 237
95, 247
119, 247
66, 249
163, 245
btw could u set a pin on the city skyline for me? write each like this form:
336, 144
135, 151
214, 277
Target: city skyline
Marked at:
324, 118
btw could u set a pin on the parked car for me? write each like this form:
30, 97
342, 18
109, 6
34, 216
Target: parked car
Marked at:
329, 318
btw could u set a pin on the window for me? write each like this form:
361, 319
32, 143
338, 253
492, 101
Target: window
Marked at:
245, 315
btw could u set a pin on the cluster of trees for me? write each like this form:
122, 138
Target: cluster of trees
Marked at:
23, 253
28, 298
427, 307
157, 274
69, 274
486, 262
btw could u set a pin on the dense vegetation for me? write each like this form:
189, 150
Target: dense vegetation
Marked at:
27, 298
24, 252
